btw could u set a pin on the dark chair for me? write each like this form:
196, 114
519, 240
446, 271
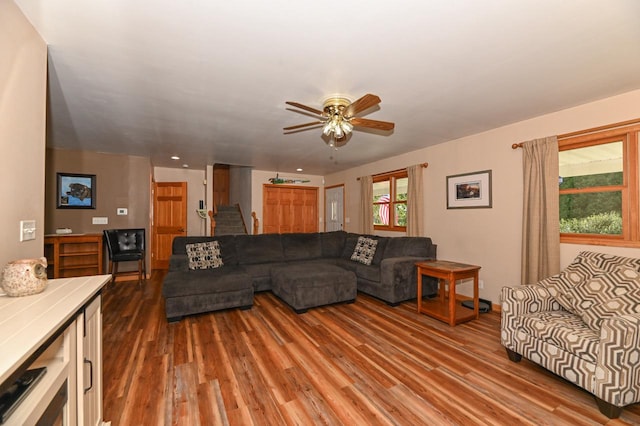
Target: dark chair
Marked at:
126, 245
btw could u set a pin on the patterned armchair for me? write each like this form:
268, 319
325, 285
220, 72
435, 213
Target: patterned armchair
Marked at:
582, 324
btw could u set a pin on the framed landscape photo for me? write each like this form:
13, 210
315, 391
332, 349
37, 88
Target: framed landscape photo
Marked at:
469, 190
75, 191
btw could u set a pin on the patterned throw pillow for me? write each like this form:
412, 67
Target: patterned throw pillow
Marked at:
627, 304
559, 285
204, 255
603, 287
365, 250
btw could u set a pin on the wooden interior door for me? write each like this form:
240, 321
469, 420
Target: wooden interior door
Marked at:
169, 220
287, 209
220, 185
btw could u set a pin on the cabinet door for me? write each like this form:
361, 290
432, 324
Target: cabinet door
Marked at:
90, 364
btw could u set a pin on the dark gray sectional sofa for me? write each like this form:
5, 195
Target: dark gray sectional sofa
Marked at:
252, 261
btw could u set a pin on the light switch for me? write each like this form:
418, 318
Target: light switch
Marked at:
121, 211
27, 230
100, 220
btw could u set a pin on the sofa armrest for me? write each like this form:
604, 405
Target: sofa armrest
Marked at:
400, 272
617, 375
525, 299
519, 300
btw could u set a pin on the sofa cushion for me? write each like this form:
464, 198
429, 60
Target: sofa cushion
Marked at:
365, 250
609, 262
301, 246
204, 255
563, 330
179, 262
380, 249
347, 264
408, 246
332, 243
349, 245
261, 248
205, 281
627, 304
368, 272
260, 274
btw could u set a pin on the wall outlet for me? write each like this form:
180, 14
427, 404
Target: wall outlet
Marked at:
100, 220
480, 284
27, 230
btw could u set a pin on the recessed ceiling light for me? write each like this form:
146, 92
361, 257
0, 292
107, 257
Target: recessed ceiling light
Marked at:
299, 169
175, 157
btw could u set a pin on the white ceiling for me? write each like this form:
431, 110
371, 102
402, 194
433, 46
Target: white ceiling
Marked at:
208, 80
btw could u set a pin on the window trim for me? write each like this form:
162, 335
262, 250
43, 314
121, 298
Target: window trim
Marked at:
628, 134
391, 177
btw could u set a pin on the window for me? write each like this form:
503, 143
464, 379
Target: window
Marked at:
599, 187
390, 201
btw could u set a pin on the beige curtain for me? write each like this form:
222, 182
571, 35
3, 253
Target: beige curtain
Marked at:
366, 204
541, 216
415, 202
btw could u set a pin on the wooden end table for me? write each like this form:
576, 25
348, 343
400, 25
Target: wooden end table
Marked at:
439, 307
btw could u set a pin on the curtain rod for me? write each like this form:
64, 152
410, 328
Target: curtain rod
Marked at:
424, 166
587, 131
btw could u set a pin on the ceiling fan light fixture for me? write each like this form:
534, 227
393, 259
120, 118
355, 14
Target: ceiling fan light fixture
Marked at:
338, 118
337, 132
346, 127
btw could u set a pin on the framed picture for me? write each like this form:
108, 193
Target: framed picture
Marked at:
469, 190
75, 191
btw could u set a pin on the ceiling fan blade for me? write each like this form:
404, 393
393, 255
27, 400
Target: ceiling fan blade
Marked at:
304, 107
299, 126
374, 124
365, 102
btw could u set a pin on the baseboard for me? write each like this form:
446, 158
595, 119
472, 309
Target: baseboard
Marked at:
129, 276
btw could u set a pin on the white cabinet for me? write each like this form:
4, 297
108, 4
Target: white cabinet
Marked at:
90, 363
60, 329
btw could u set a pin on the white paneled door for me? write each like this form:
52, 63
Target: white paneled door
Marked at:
334, 208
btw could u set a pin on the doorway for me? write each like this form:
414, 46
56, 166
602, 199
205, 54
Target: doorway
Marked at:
169, 220
334, 208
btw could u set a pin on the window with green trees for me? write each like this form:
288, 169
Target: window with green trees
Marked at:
598, 187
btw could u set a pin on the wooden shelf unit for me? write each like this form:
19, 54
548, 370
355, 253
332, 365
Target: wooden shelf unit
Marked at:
73, 255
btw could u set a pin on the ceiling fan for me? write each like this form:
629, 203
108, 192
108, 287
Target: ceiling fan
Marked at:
338, 117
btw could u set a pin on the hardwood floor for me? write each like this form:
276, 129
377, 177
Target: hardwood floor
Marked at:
353, 364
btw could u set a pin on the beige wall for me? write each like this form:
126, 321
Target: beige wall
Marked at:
23, 71
261, 177
488, 237
195, 191
121, 181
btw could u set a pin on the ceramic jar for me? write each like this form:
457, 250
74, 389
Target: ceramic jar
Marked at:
24, 277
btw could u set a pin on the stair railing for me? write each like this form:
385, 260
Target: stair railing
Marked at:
256, 223
244, 225
213, 221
